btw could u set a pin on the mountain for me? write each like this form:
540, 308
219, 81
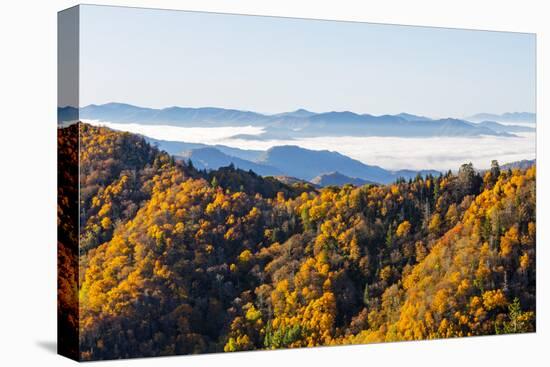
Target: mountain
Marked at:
66, 115
117, 112
299, 113
347, 123
290, 181
410, 117
179, 148
505, 117
179, 116
308, 164
286, 161
455, 127
289, 125
501, 128
523, 164
210, 158
247, 154
338, 179
176, 148
351, 124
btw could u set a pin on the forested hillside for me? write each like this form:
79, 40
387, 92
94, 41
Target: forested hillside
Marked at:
178, 260
67, 241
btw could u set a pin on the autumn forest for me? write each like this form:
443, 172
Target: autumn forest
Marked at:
158, 257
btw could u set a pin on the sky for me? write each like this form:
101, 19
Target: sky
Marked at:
160, 58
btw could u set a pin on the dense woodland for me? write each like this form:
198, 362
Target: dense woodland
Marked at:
174, 260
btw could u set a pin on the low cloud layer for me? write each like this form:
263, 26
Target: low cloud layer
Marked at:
442, 153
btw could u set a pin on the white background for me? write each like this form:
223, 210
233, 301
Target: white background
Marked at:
28, 183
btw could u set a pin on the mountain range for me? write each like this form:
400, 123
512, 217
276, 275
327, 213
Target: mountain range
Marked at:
288, 161
517, 117
211, 158
523, 164
303, 123
320, 167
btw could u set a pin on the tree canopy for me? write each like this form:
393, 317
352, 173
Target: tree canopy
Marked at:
177, 261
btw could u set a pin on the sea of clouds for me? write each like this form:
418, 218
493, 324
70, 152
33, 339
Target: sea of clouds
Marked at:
440, 153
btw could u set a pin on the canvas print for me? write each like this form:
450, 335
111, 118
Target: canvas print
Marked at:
233, 183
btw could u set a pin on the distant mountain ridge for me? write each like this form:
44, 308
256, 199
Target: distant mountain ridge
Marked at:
505, 117
67, 114
179, 148
211, 158
298, 123
495, 126
338, 179
411, 117
523, 164
307, 164
180, 116
286, 160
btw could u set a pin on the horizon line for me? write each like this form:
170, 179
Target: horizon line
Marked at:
295, 110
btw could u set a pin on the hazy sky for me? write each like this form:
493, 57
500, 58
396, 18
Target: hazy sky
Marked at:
158, 58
